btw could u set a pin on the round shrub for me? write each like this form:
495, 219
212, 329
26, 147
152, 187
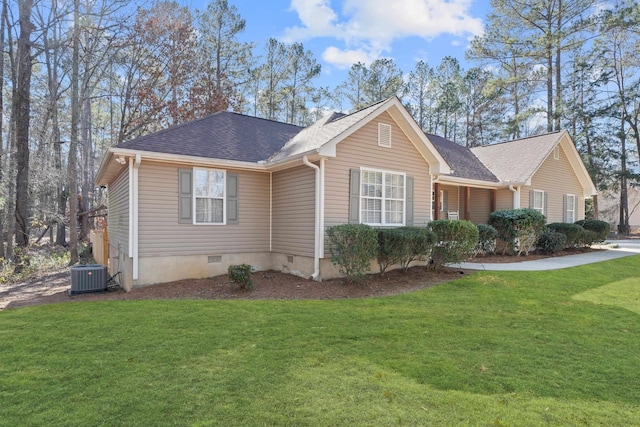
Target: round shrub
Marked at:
517, 229
352, 247
403, 245
551, 242
573, 232
487, 235
455, 241
601, 228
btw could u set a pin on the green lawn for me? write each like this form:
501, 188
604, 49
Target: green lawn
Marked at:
494, 348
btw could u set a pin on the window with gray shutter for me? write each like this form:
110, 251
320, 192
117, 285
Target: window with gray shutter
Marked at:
354, 197
232, 198
185, 196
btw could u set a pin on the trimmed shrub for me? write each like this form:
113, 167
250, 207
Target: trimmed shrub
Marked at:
487, 235
352, 247
573, 232
601, 228
518, 229
551, 242
403, 245
455, 241
241, 275
587, 239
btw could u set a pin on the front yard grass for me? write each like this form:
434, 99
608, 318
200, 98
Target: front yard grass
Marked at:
493, 348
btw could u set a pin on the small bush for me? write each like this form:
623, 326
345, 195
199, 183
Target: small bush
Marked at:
574, 233
601, 228
587, 239
551, 242
403, 245
241, 275
455, 241
352, 247
487, 235
518, 229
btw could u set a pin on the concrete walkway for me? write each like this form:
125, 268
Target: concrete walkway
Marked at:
624, 248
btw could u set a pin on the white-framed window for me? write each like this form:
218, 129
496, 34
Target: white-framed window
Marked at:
384, 135
538, 201
570, 208
382, 197
441, 200
209, 199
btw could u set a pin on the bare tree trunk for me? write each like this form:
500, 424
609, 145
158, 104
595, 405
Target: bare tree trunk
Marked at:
73, 145
22, 109
623, 225
2, 159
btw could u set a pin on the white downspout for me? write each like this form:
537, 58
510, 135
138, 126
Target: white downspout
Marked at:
316, 248
270, 211
516, 196
321, 225
136, 166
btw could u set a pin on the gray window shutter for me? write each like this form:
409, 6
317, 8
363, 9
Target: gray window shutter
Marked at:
354, 197
232, 198
185, 196
409, 190
546, 203
564, 208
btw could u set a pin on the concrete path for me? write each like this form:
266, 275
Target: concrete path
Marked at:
624, 248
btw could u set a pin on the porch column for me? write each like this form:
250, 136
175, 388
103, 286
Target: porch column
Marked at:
436, 201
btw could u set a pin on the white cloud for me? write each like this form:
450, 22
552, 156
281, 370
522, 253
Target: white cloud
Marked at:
371, 26
345, 58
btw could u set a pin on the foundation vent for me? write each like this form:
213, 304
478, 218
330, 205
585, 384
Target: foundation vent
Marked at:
214, 259
289, 258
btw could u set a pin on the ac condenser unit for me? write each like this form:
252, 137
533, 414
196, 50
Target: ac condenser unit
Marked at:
88, 278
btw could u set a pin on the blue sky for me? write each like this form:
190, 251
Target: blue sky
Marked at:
343, 32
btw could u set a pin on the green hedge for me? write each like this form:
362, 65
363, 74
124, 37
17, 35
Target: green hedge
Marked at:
601, 228
403, 245
352, 248
551, 242
575, 234
518, 229
455, 241
487, 235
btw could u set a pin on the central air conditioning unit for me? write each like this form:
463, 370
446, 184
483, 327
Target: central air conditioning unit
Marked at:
88, 278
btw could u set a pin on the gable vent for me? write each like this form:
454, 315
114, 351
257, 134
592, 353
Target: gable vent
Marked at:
384, 135
556, 153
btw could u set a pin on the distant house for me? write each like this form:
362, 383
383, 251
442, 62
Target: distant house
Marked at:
189, 201
609, 207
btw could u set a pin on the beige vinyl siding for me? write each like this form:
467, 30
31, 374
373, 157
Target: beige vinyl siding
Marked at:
480, 205
118, 220
161, 235
294, 211
556, 178
504, 199
361, 149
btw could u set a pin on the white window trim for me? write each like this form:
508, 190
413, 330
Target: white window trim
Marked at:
541, 209
384, 198
387, 128
573, 211
224, 197
441, 201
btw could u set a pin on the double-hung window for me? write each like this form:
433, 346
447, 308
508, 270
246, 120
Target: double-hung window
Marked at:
209, 192
570, 208
382, 197
538, 201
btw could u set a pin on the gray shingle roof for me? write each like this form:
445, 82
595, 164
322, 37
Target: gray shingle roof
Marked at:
223, 135
517, 160
463, 162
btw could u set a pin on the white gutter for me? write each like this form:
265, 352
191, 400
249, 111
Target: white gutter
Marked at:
317, 243
135, 167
